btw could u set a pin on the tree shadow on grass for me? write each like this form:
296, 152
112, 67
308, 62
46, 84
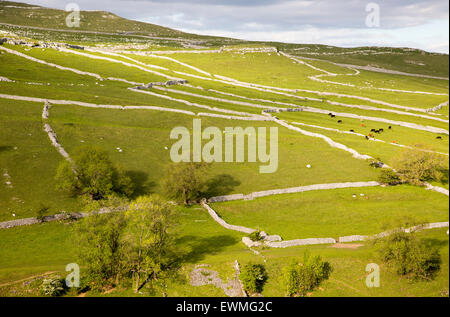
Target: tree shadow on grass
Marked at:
198, 247
445, 175
438, 243
141, 184
5, 148
221, 184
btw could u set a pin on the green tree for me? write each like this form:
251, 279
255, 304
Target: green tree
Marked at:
92, 173
409, 256
300, 278
290, 279
150, 238
100, 245
416, 167
185, 182
253, 277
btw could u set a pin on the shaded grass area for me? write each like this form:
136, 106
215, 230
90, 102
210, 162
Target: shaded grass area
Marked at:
334, 213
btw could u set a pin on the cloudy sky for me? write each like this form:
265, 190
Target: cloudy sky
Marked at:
402, 23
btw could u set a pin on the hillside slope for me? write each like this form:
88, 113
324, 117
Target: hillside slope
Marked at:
16, 13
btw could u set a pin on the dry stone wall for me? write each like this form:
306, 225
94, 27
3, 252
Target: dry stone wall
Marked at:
369, 138
332, 143
291, 190
222, 222
54, 140
297, 242
433, 225
275, 241
438, 107
5, 79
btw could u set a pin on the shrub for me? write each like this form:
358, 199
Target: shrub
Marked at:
299, 278
410, 256
253, 276
53, 286
389, 177
255, 236
290, 279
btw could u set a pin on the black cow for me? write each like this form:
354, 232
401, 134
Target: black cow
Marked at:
439, 137
339, 121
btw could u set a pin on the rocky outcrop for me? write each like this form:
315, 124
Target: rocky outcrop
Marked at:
202, 275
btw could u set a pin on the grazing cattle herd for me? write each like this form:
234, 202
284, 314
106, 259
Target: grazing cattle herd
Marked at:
370, 135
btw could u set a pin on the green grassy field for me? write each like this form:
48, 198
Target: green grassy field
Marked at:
335, 213
48, 248
28, 161
143, 136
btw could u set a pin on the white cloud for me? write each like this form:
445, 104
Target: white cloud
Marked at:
331, 22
